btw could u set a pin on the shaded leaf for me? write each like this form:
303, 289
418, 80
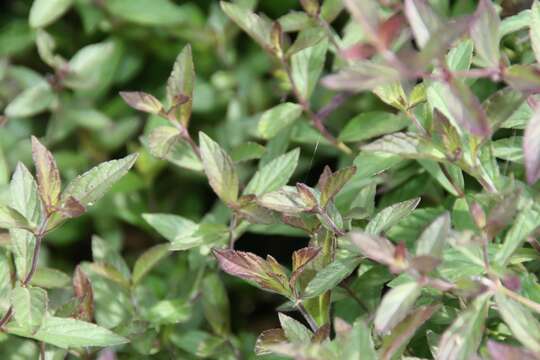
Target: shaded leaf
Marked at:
485, 33
45, 12
330, 276
31, 101
295, 331
390, 216
368, 125
216, 304
267, 339
257, 27
395, 306
275, 119
423, 19
148, 260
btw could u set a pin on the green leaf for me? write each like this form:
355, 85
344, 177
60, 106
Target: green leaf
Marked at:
277, 118
90, 66
180, 85
433, 238
257, 27
50, 278
306, 68
22, 245
247, 151
392, 94
509, 149
295, 332
524, 326
31, 101
219, 169
534, 31
45, 12
11, 218
29, 306
170, 312
25, 196
374, 163
462, 338
423, 19
485, 33
515, 23
216, 304
47, 173
330, 276
147, 261
157, 13
305, 39
65, 333
273, 175
406, 145
531, 148
267, 339
363, 75
165, 142
390, 216
368, 125
395, 306
286, 200
524, 78
93, 184
356, 343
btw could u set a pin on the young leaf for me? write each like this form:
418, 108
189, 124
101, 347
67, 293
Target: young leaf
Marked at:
330, 276
373, 247
181, 83
65, 333
268, 274
534, 31
267, 339
390, 216
286, 200
300, 259
531, 148
423, 19
257, 27
331, 183
485, 33
294, 330
147, 261
49, 278
275, 119
395, 306
524, 326
84, 294
45, 12
273, 175
30, 306
432, 240
93, 184
142, 101
462, 338
47, 173
25, 195
219, 169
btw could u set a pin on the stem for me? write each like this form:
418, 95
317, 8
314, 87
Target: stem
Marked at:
416, 122
333, 105
307, 316
529, 303
6, 317
355, 298
35, 258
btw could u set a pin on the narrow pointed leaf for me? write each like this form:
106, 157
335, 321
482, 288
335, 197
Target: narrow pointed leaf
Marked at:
47, 173
273, 175
181, 83
485, 33
433, 238
390, 216
277, 118
148, 260
531, 148
395, 306
535, 29
142, 101
330, 276
423, 19
257, 27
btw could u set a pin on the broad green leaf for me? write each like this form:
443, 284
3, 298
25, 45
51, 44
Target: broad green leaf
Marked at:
515, 23
219, 169
509, 149
93, 184
23, 244
180, 85
373, 163
31, 101
485, 33
330, 276
90, 66
65, 333
433, 238
423, 19
277, 118
406, 145
259, 28
295, 332
170, 312
11, 218
25, 196
247, 151
435, 170
29, 306
273, 175
286, 200
306, 67
47, 173
50, 278
305, 39
392, 94
45, 12
524, 326
501, 105
357, 343
531, 148
461, 340
535, 29
216, 304
390, 216
395, 306
165, 142
156, 13
148, 260
368, 125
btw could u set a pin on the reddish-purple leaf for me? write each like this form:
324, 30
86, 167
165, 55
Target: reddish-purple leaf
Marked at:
142, 101
267, 339
300, 259
531, 148
500, 351
72, 208
47, 173
331, 183
525, 78
84, 294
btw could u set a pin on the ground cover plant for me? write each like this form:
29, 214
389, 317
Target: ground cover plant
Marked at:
332, 179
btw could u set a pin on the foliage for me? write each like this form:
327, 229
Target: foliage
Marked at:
398, 142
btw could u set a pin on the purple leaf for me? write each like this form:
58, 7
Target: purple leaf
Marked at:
531, 148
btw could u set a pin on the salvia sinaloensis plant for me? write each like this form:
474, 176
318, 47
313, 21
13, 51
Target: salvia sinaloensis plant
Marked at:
422, 235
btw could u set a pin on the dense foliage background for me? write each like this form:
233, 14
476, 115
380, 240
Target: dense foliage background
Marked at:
423, 108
